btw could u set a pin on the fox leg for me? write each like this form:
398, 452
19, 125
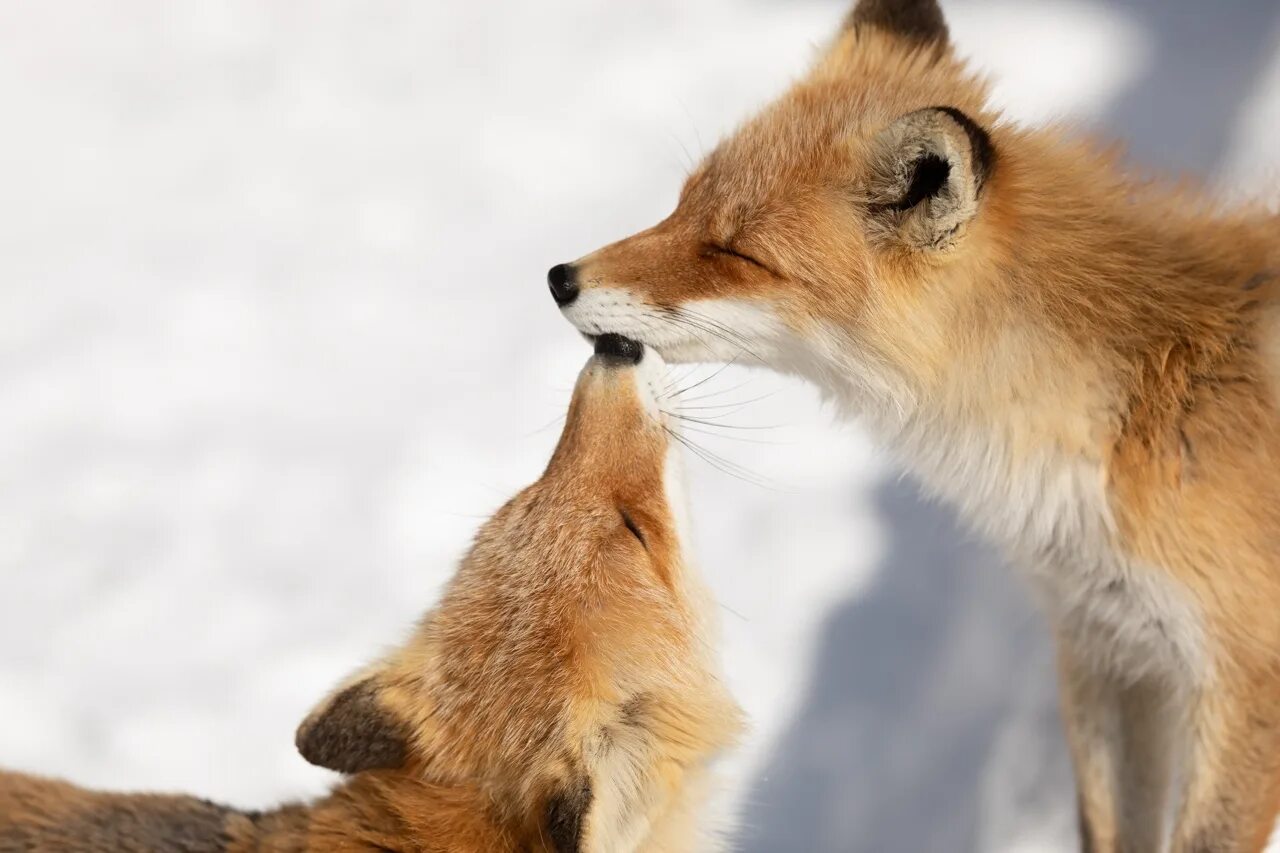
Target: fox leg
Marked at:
1089, 713
1232, 786
1151, 727
1122, 743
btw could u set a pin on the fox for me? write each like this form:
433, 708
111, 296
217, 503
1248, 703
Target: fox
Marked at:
562, 696
1082, 359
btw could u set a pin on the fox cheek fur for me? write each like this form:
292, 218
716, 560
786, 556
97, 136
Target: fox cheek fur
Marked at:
1086, 364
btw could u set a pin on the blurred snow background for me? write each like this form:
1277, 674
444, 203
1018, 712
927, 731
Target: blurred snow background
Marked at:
276, 336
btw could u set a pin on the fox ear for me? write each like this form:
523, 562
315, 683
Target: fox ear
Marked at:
352, 730
928, 170
917, 20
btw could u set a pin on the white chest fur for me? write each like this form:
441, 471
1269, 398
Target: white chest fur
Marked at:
1045, 507
1050, 514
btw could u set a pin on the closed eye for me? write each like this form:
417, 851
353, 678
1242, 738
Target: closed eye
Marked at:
629, 523
727, 251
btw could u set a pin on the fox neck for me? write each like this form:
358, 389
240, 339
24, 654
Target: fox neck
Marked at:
1022, 457
1087, 317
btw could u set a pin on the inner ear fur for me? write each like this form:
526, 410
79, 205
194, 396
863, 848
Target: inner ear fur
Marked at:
927, 173
353, 730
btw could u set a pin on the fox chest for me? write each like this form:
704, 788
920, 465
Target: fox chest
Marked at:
1052, 518
1120, 619
1117, 616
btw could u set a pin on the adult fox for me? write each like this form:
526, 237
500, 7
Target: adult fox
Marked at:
1086, 364
562, 698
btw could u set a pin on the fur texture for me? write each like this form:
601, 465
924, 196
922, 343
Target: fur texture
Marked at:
562, 696
1084, 362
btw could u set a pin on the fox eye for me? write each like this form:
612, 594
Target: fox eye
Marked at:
629, 523
712, 249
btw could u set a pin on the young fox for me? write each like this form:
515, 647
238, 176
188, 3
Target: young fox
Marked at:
561, 697
1087, 365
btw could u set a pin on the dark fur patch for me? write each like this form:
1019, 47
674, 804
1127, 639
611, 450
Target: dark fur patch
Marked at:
984, 153
1258, 279
632, 711
566, 815
127, 823
190, 825
354, 734
917, 20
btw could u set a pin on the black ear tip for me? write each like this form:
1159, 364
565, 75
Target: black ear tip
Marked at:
918, 20
352, 733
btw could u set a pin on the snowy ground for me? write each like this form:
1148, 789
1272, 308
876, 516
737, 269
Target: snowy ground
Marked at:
276, 336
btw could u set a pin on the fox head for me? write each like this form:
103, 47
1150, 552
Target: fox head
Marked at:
566, 676
823, 223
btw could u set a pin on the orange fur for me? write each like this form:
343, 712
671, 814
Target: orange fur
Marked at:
561, 697
1087, 363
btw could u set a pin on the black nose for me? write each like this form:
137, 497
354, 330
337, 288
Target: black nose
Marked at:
563, 280
613, 346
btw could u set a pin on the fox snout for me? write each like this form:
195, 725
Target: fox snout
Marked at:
615, 411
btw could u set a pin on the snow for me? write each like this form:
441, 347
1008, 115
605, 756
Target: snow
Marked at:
277, 336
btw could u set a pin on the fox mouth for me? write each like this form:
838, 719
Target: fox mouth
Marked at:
672, 348
677, 333
608, 336
618, 347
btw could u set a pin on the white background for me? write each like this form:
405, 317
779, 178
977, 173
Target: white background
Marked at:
275, 337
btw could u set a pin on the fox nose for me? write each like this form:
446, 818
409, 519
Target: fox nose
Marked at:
563, 281
611, 347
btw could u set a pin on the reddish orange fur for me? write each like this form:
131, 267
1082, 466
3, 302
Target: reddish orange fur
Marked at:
562, 693
1079, 331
